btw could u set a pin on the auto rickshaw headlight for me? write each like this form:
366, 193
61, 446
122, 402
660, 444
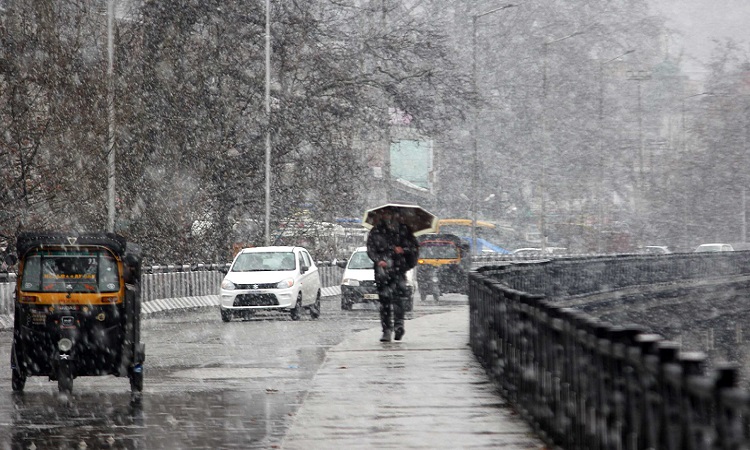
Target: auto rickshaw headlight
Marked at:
228, 285
64, 344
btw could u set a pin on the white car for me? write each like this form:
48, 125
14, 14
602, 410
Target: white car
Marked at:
271, 278
705, 248
358, 282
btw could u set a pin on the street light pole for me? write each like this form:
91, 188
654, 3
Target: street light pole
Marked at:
110, 118
268, 124
475, 163
602, 159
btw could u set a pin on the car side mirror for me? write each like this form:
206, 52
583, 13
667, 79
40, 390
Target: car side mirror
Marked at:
304, 268
224, 270
341, 264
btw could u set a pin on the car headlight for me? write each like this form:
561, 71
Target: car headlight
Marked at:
285, 284
228, 285
350, 282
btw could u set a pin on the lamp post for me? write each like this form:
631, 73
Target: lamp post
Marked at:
545, 136
268, 124
600, 196
110, 118
475, 164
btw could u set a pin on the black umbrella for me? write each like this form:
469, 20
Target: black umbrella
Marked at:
418, 219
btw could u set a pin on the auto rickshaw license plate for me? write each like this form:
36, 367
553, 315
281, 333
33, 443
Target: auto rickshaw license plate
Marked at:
370, 296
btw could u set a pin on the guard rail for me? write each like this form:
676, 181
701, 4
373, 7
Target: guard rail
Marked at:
588, 384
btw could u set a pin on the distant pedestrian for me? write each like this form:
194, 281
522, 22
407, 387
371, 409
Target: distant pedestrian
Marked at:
394, 251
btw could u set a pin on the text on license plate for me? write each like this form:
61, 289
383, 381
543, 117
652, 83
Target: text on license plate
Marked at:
370, 296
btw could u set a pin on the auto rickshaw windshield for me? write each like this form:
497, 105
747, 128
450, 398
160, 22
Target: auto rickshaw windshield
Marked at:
79, 271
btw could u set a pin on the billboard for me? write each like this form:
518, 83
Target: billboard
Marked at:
411, 163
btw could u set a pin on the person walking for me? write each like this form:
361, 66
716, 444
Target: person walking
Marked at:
394, 251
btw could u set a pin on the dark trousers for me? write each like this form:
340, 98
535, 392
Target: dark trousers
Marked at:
392, 293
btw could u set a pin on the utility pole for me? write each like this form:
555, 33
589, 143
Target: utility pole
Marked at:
639, 76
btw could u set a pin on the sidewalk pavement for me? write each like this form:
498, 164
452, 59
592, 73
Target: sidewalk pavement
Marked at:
427, 391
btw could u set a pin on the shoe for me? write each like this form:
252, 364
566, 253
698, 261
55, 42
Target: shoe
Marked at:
400, 333
386, 337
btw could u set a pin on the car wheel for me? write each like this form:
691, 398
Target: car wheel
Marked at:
136, 379
346, 305
315, 308
297, 310
226, 316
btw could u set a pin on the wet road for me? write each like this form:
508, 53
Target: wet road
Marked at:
207, 384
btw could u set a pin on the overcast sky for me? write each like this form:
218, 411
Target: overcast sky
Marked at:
702, 21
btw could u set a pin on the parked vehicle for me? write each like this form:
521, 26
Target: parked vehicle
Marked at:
77, 310
271, 278
654, 250
443, 266
704, 248
358, 281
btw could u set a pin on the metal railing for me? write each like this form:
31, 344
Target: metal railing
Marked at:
173, 281
587, 384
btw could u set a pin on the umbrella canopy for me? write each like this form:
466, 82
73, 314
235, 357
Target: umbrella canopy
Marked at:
418, 219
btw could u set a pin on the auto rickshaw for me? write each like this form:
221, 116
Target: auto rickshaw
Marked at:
77, 309
443, 266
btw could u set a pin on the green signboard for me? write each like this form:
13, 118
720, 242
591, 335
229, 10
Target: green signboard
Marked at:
411, 162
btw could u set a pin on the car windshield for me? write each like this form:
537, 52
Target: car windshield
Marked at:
264, 261
360, 260
438, 251
81, 271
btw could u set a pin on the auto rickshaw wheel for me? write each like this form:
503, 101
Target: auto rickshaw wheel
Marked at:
136, 379
296, 312
315, 308
423, 296
18, 380
64, 378
18, 377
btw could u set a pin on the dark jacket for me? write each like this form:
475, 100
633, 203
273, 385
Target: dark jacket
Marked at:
381, 244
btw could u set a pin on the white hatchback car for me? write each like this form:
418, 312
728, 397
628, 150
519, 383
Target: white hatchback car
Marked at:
358, 282
271, 278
